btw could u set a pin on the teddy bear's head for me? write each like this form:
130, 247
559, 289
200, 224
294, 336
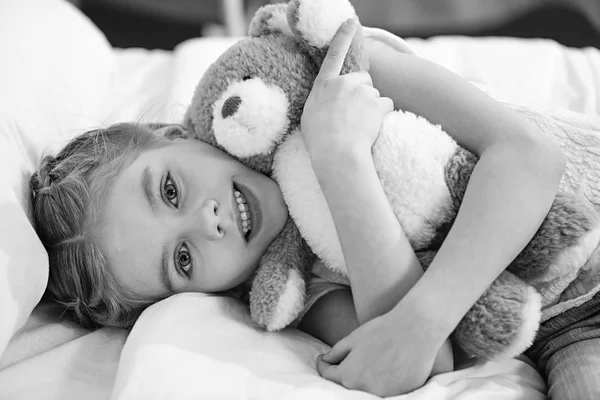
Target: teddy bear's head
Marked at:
253, 95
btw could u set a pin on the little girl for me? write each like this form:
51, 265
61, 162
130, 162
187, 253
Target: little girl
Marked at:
133, 213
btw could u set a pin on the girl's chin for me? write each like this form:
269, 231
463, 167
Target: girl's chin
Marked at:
246, 279
271, 231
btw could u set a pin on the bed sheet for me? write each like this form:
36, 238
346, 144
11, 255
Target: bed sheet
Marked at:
51, 358
194, 346
537, 73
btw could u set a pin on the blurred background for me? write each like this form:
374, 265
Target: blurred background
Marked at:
162, 24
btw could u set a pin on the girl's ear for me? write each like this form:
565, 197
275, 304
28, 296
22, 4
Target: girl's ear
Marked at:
268, 19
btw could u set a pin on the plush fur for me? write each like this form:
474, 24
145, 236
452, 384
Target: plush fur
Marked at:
313, 217
252, 125
249, 103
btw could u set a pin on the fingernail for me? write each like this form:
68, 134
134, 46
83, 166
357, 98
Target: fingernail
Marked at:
351, 22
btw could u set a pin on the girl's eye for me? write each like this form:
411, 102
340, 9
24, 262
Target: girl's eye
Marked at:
170, 191
184, 260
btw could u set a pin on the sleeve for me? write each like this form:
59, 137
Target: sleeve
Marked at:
317, 288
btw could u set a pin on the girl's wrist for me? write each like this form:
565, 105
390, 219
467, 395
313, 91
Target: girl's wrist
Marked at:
433, 326
339, 162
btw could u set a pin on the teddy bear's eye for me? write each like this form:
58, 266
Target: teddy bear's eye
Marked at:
246, 78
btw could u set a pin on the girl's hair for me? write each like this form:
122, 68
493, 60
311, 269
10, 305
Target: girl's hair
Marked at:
67, 193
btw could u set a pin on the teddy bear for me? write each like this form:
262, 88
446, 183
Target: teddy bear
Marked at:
249, 103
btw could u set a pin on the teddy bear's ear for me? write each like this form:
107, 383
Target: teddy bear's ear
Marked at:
314, 23
270, 19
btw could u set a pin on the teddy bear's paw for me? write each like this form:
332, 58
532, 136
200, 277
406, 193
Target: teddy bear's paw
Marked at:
503, 322
531, 315
569, 235
317, 21
290, 304
278, 302
271, 18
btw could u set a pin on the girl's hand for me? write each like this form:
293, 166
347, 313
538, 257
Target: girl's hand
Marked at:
388, 356
342, 113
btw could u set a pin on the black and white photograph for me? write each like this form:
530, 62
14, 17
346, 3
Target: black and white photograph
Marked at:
300, 199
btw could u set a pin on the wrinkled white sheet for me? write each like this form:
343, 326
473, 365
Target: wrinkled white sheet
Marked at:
194, 346
50, 359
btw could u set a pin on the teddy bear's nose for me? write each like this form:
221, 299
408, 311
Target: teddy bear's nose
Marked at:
231, 106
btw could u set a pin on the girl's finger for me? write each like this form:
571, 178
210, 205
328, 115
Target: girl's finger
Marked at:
357, 77
337, 354
365, 77
328, 371
387, 104
375, 92
334, 60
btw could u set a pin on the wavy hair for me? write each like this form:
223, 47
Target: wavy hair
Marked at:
67, 190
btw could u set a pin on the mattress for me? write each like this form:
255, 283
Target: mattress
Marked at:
51, 358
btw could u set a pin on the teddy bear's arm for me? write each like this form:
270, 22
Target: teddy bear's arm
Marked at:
279, 286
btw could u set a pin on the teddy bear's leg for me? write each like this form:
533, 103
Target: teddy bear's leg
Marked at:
566, 239
279, 286
316, 22
503, 322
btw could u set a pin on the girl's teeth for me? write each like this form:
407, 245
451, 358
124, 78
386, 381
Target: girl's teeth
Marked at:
244, 215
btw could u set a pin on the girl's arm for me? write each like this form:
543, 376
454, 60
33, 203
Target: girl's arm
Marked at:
509, 194
341, 119
382, 265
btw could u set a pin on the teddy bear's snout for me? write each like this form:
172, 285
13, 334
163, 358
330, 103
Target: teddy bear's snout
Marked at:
250, 117
230, 107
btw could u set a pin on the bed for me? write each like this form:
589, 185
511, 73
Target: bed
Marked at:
59, 77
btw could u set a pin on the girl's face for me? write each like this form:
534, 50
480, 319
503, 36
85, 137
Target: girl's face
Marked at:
173, 220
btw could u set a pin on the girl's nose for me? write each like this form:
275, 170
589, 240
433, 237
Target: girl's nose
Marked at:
211, 221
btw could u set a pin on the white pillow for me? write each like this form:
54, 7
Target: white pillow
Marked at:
54, 75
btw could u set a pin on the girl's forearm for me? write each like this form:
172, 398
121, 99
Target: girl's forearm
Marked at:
510, 192
474, 119
381, 264
508, 196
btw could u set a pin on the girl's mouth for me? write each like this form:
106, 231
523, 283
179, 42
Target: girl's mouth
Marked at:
244, 213
249, 211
